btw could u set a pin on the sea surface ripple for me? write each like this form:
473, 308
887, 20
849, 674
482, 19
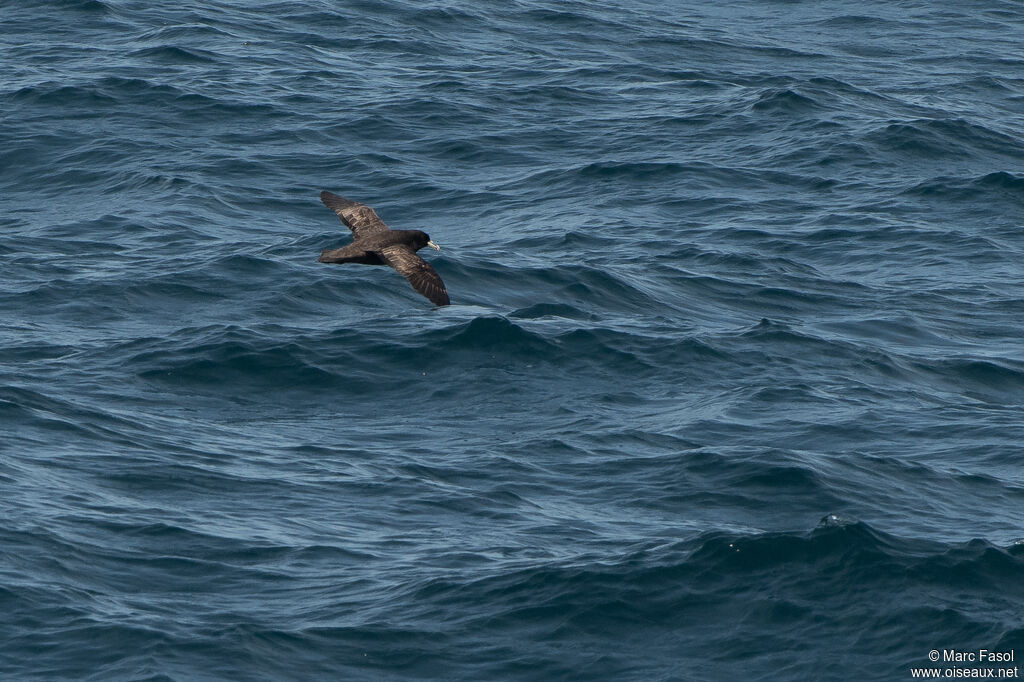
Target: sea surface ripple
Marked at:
731, 386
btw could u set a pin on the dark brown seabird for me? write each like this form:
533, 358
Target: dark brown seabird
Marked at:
374, 243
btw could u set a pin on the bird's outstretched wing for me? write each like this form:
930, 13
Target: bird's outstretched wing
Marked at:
353, 253
421, 276
359, 218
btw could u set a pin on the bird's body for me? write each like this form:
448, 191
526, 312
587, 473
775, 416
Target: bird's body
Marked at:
374, 243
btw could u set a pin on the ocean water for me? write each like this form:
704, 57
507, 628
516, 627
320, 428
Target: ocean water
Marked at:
732, 385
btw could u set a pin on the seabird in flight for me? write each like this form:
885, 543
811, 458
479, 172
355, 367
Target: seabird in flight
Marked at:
374, 243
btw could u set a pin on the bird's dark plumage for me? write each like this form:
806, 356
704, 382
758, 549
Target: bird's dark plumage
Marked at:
374, 243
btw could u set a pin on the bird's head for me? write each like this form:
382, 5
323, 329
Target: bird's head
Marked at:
423, 239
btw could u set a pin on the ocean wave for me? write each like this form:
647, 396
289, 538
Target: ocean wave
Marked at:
171, 54
1000, 380
67, 424
793, 583
238, 357
944, 138
784, 101
995, 187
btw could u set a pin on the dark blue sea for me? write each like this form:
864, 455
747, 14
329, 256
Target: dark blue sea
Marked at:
731, 386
